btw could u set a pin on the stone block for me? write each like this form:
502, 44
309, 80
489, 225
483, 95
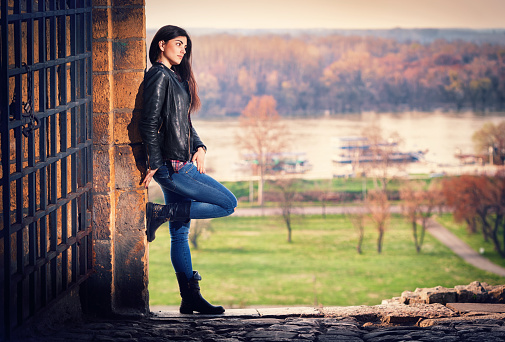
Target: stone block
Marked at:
127, 87
102, 259
129, 54
128, 176
102, 92
102, 55
289, 311
496, 294
118, 3
131, 270
102, 129
472, 293
102, 168
129, 22
100, 285
126, 127
103, 218
438, 294
408, 297
477, 307
130, 211
102, 19
101, 3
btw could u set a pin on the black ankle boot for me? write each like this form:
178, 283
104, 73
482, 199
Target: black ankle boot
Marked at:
192, 299
157, 214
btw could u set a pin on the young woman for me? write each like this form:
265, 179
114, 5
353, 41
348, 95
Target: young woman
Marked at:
176, 158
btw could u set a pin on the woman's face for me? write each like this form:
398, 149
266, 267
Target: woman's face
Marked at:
173, 50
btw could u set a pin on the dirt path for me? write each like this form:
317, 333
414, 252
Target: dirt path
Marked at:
462, 249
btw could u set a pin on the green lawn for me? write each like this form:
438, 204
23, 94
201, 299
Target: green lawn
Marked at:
247, 261
476, 241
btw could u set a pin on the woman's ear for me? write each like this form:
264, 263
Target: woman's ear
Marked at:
161, 44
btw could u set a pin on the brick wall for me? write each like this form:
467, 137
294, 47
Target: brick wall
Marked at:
119, 284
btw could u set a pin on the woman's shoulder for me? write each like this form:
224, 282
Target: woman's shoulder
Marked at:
157, 70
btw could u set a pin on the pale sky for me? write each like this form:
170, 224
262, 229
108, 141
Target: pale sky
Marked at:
326, 14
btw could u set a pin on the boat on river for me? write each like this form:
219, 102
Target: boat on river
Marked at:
358, 150
284, 162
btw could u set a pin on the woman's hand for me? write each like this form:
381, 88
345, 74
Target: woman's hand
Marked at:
199, 157
149, 176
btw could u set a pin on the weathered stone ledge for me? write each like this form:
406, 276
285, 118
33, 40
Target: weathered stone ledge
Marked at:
475, 292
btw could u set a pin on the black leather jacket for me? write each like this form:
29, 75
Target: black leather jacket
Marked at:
165, 126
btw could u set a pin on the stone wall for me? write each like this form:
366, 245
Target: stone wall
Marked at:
475, 292
119, 284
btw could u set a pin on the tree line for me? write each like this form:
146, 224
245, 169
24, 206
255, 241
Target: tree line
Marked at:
314, 75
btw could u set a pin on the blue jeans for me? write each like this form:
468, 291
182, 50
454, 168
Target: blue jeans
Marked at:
209, 199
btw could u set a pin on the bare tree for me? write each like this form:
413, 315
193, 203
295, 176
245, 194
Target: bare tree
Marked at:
411, 207
262, 134
324, 195
199, 228
358, 219
286, 188
378, 207
418, 206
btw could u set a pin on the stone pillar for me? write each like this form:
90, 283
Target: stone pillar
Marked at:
119, 284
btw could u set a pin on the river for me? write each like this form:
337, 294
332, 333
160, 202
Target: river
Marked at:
440, 134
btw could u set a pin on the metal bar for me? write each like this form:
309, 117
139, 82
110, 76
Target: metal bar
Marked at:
32, 255
18, 96
74, 38
88, 246
6, 186
53, 230
43, 193
62, 53
46, 14
54, 62
43, 105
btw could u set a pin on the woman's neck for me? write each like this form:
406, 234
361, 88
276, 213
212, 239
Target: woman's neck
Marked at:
165, 62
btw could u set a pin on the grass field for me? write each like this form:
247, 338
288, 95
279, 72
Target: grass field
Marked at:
247, 261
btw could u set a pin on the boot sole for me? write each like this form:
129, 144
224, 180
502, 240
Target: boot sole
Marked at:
149, 212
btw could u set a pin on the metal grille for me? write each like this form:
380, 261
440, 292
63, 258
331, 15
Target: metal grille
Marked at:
46, 174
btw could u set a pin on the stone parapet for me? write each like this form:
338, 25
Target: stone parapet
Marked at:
475, 292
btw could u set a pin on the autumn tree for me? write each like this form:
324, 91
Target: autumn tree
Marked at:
480, 201
465, 196
491, 137
378, 207
261, 134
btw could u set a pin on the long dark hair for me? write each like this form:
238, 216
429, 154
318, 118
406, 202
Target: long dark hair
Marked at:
184, 69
